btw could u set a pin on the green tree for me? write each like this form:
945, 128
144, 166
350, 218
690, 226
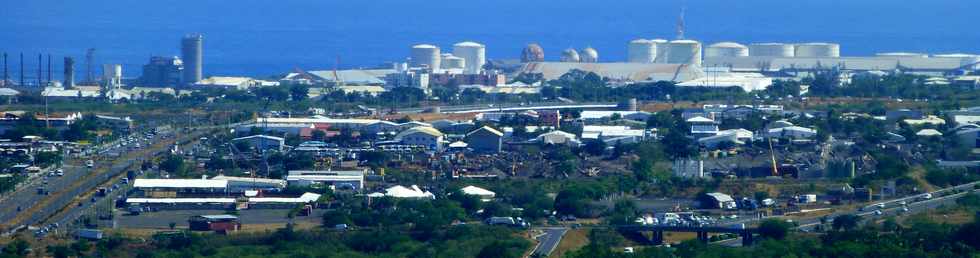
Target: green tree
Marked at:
846, 222
774, 229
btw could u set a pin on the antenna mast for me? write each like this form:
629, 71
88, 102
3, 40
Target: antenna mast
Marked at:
680, 23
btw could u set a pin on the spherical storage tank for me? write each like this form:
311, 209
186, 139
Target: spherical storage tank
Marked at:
590, 55
449, 61
818, 50
426, 55
726, 49
532, 53
772, 50
641, 51
684, 52
570, 55
475, 55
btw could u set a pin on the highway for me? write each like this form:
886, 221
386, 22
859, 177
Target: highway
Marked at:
77, 181
914, 203
548, 241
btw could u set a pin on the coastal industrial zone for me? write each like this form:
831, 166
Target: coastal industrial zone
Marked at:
553, 153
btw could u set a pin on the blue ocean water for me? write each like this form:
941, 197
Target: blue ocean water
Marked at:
265, 37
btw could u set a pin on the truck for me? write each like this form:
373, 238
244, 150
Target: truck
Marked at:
92, 234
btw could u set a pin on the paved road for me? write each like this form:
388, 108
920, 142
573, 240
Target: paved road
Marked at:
162, 219
915, 204
63, 190
549, 241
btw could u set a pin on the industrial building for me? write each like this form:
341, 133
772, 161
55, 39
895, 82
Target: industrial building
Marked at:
351, 179
162, 71
485, 139
192, 53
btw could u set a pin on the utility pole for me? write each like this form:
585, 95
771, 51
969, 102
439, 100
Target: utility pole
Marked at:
5, 75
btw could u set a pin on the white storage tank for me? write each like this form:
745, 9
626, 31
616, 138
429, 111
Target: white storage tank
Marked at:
474, 54
641, 51
570, 55
726, 49
902, 54
772, 50
684, 52
661, 46
449, 61
426, 55
590, 55
818, 50
112, 74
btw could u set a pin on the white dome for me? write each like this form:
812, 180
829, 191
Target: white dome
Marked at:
589, 55
570, 55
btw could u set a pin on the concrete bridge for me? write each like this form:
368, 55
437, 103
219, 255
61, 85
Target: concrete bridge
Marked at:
702, 232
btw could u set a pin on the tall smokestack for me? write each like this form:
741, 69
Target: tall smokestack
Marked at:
192, 53
21, 69
69, 81
89, 59
6, 76
40, 68
49, 69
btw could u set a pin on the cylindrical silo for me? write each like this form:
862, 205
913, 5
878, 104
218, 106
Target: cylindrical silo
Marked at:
818, 50
449, 61
426, 55
661, 47
726, 49
570, 55
112, 74
772, 50
590, 55
474, 54
641, 51
684, 52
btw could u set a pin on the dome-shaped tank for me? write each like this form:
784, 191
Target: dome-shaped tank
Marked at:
426, 55
532, 53
684, 52
772, 50
818, 50
641, 51
474, 54
590, 55
726, 49
570, 55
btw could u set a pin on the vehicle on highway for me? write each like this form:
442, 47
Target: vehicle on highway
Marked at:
905, 209
880, 205
877, 212
927, 196
90, 163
